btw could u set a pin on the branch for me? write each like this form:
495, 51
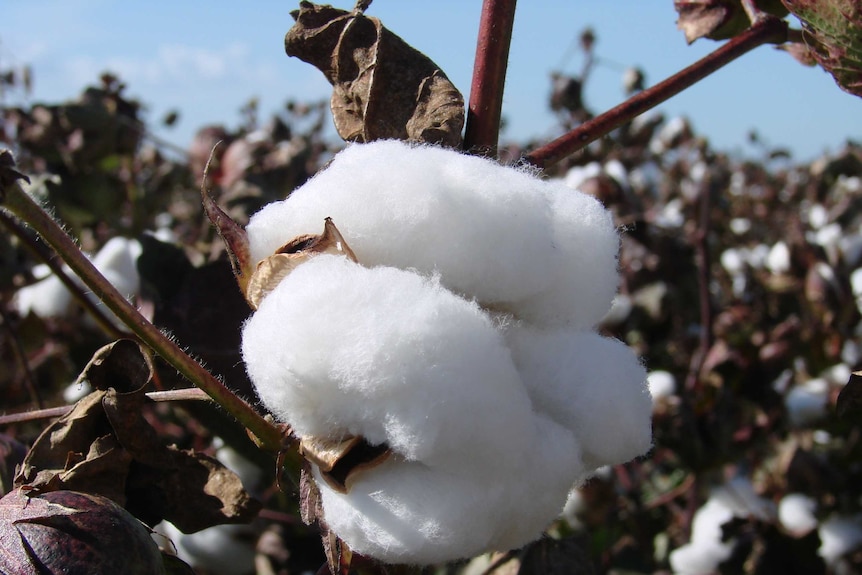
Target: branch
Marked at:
489, 77
770, 30
190, 394
15, 199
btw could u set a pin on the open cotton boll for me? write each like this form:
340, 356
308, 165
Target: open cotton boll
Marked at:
407, 512
492, 233
46, 298
806, 403
838, 536
796, 513
340, 349
221, 549
584, 277
706, 549
593, 385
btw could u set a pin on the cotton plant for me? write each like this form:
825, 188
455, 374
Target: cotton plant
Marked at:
443, 326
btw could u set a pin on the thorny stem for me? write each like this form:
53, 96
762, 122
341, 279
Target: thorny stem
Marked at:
189, 394
769, 30
50, 259
267, 434
489, 77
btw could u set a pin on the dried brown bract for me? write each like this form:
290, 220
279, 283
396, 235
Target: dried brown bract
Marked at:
382, 87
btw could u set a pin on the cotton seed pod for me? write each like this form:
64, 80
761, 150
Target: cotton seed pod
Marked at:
271, 270
74, 534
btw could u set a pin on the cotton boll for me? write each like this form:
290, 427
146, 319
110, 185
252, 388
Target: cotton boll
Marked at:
661, 384
339, 349
838, 536
46, 298
706, 549
739, 497
583, 277
577, 175
620, 310
406, 512
778, 260
699, 558
733, 261
221, 550
796, 513
592, 385
75, 391
483, 227
491, 233
806, 403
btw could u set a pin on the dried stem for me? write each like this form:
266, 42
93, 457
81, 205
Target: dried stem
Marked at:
43, 253
769, 30
701, 248
489, 77
189, 394
268, 435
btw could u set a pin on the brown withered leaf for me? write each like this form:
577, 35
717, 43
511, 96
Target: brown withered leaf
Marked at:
272, 270
800, 52
714, 19
121, 365
849, 402
234, 235
719, 19
105, 446
382, 87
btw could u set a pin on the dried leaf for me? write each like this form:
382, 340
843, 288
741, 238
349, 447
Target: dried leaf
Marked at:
849, 402
105, 446
275, 268
310, 505
800, 52
382, 87
714, 19
832, 29
122, 365
719, 19
234, 235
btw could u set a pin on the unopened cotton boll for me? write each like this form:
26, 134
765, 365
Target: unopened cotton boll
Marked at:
492, 233
593, 385
338, 349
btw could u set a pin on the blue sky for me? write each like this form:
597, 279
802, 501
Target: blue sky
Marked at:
208, 58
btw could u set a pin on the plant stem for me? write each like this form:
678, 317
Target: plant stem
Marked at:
189, 394
769, 30
489, 77
267, 434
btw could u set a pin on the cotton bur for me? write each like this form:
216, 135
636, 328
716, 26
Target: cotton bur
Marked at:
450, 330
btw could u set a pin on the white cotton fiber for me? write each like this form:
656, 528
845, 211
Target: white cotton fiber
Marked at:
461, 339
838, 536
593, 385
338, 348
407, 512
493, 233
796, 513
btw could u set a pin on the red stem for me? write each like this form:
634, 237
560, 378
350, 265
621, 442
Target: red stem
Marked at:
770, 30
489, 77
